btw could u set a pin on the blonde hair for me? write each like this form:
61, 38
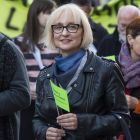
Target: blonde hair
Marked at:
72, 11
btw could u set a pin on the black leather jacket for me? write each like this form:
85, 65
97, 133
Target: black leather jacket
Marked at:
96, 94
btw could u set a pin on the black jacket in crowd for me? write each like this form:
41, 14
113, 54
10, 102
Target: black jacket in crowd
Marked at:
110, 45
98, 31
96, 94
135, 122
14, 89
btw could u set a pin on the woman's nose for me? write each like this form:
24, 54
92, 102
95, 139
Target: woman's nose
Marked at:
65, 32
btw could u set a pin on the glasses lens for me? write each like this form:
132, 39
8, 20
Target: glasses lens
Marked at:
123, 25
72, 28
57, 28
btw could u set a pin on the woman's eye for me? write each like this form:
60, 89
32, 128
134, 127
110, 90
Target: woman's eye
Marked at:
58, 27
72, 26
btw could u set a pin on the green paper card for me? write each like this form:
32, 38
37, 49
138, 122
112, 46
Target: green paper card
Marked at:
111, 57
60, 96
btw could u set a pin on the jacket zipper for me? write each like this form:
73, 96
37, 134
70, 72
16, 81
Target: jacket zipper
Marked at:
89, 93
41, 97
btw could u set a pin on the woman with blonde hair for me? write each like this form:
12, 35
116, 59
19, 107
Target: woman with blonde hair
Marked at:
94, 85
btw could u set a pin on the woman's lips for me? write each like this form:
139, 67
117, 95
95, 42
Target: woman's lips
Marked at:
65, 41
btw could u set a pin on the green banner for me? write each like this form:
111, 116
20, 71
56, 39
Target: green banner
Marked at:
12, 17
60, 96
107, 15
13, 14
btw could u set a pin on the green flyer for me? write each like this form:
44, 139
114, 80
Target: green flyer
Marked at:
60, 96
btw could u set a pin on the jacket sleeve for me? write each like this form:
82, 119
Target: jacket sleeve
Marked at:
107, 125
17, 97
40, 125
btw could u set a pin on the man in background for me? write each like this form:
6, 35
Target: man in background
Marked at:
98, 31
111, 44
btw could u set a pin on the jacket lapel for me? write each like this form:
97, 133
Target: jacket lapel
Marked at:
78, 86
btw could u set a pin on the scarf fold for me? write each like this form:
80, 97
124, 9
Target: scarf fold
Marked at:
65, 67
66, 63
130, 68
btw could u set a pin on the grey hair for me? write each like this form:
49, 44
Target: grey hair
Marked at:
136, 9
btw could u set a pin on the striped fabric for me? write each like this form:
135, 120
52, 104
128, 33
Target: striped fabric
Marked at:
33, 69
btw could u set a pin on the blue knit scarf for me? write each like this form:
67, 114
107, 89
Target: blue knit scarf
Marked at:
65, 67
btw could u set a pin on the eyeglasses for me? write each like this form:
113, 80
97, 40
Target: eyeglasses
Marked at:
122, 25
71, 28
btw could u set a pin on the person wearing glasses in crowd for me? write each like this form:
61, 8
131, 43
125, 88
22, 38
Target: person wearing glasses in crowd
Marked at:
111, 44
98, 31
36, 55
94, 85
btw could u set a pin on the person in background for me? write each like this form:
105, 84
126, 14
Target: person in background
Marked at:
98, 31
5, 36
103, 2
94, 85
36, 55
129, 61
111, 44
14, 89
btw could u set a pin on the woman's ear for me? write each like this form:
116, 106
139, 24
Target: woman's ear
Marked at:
130, 39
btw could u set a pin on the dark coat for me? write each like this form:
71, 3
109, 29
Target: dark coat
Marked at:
14, 87
135, 122
110, 45
97, 92
98, 31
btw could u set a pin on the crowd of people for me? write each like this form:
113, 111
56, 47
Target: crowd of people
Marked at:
65, 46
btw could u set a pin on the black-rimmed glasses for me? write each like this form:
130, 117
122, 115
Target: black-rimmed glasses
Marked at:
122, 25
71, 28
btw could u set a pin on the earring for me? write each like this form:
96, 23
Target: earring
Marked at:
131, 46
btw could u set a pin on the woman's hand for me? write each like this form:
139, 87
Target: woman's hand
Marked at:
33, 92
132, 102
54, 134
68, 121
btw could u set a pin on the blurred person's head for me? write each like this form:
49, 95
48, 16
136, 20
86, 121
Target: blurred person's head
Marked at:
85, 5
38, 14
125, 15
133, 38
70, 29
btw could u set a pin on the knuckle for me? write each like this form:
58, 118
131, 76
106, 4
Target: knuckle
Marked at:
57, 134
73, 123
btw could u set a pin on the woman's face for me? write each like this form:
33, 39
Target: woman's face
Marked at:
66, 41
135, 51
42, 17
